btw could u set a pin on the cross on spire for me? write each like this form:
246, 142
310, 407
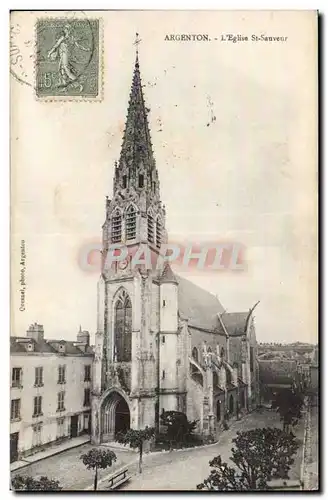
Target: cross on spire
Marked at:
136, 42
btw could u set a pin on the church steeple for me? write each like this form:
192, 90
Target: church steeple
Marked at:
135, 215
136, 167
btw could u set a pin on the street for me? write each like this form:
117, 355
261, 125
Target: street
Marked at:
311, 458
174, 470
184, 469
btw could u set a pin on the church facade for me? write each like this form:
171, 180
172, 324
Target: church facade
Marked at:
162, 343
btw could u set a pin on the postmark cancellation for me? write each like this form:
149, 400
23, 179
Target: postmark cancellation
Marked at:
68, 59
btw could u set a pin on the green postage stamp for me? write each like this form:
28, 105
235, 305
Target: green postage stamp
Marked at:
67, 63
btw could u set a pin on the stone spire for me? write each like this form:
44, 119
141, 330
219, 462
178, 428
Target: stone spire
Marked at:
136, 167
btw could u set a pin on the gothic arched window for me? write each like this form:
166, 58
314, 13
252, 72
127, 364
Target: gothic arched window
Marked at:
130, 223
150, 226
218, 411
116, 231
158, 232
228, 377
122, 328
231, 404
194, 354
215, 380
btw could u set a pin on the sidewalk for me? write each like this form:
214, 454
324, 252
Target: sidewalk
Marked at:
49, 452
311, 457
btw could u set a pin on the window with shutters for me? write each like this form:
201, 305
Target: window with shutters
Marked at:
15, 409
16, 377
130, 223
61, 374
38, 380
37, 406
61, 401
116, 226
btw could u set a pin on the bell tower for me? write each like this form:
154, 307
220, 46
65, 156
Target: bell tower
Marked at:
135, 215
133, 300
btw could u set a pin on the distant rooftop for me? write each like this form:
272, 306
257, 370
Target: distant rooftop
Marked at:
34, 342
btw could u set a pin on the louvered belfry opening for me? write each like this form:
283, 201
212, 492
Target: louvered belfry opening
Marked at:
136, 212
131, 223
150, 224
116, 232
158, 232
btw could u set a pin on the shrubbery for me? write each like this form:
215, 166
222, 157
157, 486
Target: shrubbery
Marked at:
179, 431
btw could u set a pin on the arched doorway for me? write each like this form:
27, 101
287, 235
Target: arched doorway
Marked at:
115, 416
122, 417
218, 411
231, 404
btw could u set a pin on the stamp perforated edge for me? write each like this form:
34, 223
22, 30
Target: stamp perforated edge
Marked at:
50, 99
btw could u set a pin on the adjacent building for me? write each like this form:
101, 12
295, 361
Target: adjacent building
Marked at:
50, 390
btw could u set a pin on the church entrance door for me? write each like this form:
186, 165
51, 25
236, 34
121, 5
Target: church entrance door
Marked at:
122, 417
115, 416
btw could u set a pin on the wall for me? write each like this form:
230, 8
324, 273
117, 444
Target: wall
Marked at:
212, 340
74, 395
195, 400
314, 378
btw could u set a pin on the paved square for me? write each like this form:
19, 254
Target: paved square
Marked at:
68, 469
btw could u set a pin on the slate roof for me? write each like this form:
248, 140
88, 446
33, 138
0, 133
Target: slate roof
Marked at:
235, 322
168, 275
19, 345
197, 305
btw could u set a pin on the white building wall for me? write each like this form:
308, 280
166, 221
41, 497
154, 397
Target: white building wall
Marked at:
74, 395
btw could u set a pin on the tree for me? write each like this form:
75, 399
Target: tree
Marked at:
98, 459
136, 438
288, 403
178, 428
259, 456
28, 483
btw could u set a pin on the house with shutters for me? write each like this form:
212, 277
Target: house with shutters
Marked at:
50, 393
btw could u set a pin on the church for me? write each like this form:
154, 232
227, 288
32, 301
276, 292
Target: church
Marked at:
162, 342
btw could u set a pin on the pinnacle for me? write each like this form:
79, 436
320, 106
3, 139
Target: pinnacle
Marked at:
136, 146
168, 275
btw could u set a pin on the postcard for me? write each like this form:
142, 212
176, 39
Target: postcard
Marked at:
164, 227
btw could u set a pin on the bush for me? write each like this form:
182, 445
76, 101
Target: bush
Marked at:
179, 430
29, 483
259, 455
163, 442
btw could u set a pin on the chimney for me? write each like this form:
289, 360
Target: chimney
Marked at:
36, 332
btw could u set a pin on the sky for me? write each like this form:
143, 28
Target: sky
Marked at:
249, 176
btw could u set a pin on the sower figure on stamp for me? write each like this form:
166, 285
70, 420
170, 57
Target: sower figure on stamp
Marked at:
62, 48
